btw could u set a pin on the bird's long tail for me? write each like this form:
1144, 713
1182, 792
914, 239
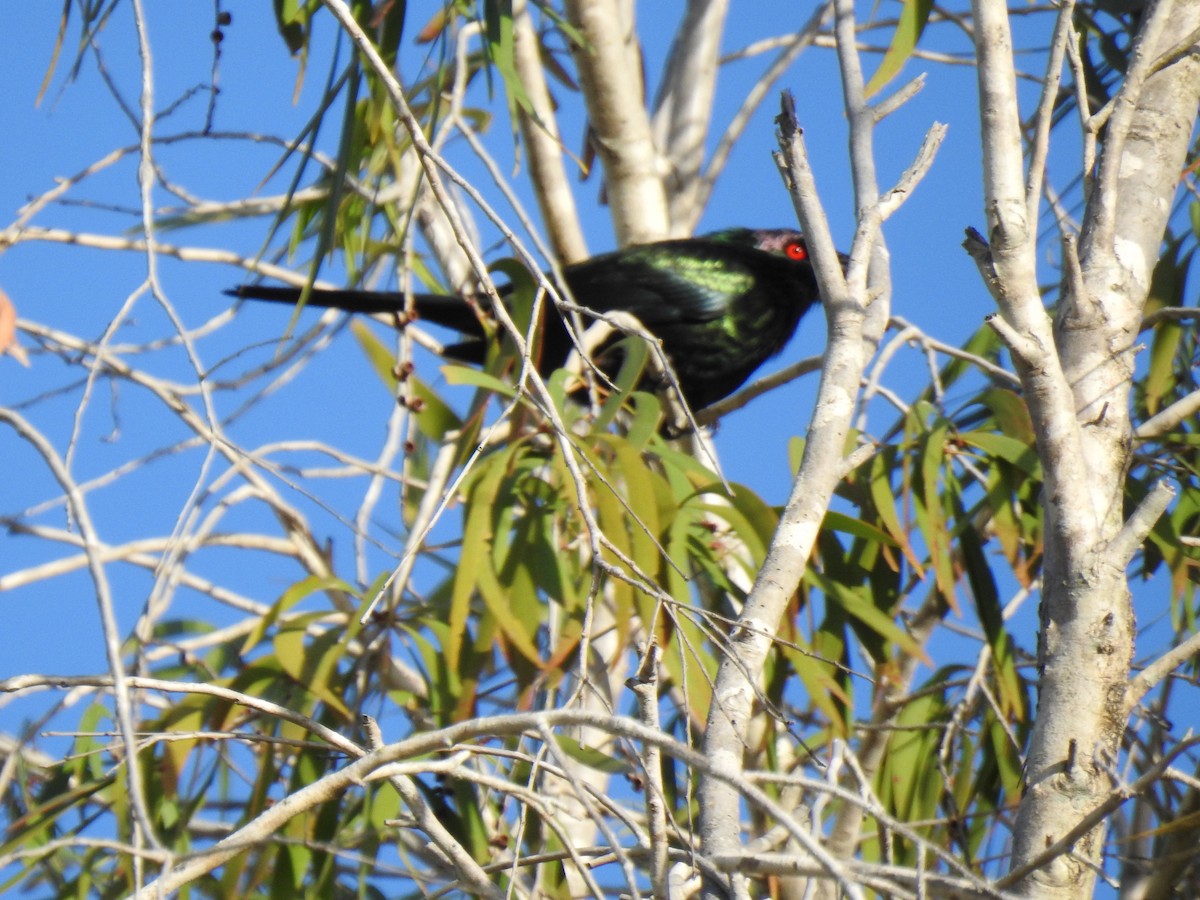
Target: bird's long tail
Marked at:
441, 309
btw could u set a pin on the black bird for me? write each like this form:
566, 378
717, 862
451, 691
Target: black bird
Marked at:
722, 304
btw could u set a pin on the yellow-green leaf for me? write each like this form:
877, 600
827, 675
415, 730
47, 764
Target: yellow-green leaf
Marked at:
913, 18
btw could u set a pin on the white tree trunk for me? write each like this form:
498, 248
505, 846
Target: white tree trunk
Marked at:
1077, 379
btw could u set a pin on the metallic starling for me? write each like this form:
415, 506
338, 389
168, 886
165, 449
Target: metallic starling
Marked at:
722, 304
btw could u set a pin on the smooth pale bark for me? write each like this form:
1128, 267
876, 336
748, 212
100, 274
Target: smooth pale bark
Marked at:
734, 689
609, 70
1077, 379
685, 106
539, 131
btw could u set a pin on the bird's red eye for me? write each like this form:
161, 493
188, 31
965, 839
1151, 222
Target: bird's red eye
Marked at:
796, 250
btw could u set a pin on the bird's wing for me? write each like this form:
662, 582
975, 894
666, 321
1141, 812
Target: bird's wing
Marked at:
667, 283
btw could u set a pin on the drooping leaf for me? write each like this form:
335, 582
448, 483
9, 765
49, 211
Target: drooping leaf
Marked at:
913, 17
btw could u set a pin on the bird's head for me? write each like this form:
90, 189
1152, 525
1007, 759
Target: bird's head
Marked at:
785, 242
782, 241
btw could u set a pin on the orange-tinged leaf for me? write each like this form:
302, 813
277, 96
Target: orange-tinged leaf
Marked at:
436, 25
8, 331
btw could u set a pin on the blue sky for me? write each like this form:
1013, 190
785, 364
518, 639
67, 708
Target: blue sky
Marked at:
52, 626
336, 397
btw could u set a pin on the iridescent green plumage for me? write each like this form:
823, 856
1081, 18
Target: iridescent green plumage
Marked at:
722, 304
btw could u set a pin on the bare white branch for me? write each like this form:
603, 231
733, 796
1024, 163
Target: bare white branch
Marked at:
1138, 525
1170, 418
